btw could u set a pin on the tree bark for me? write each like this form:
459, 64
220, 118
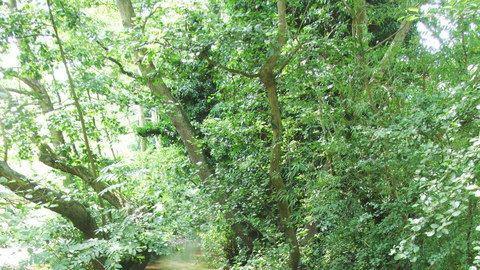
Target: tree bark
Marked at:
181, 123
359, 21
275, 172
127, 12
174, 110
74, 211
268, 78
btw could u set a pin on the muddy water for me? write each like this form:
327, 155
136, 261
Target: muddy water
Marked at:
188, 258
175, 264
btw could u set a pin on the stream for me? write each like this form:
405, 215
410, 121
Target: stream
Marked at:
185, 259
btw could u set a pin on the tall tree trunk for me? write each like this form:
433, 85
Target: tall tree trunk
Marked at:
73, 93
268, 78
113, 198
276, 181
359, 33
181, 123
391, 52
174, 109
359, 21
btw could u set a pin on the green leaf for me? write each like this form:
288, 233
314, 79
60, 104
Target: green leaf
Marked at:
414, 9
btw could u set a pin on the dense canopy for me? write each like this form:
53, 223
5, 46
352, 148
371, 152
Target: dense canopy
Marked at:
287, 134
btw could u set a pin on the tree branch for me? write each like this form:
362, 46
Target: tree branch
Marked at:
232, 70
74, 211
49, 158
152, 12
289, 58
282, 23
238, 72
17, 91
391, 51
36, 86
204, 54
121, 67
116, 61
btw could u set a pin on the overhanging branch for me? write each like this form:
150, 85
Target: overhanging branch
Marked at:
237, 71
56, 201
49, 158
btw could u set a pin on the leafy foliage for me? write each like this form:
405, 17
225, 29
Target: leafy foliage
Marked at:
379, 139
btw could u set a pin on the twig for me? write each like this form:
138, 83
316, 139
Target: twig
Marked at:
116, 61
144, 23
383, 41
289, 57
17, 91
238, 72
232, 70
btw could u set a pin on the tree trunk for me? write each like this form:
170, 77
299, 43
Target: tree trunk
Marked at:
268, 78
391, 52
174, 109
181, 123
276, 181
359, 22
